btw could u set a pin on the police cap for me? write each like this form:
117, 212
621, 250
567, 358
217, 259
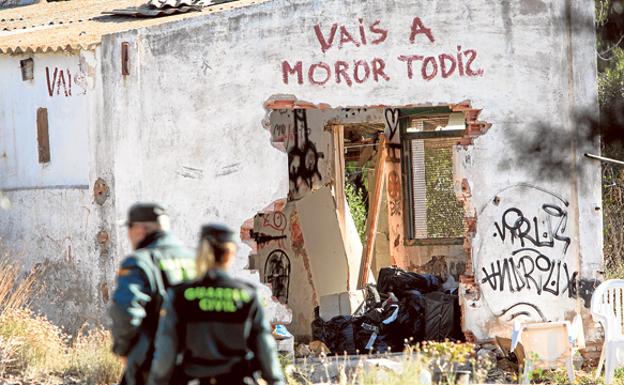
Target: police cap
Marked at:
217, 234
144, 212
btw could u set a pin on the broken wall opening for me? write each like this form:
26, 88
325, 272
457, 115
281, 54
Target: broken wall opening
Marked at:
313, 246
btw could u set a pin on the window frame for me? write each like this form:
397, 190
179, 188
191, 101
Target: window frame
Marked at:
405, 115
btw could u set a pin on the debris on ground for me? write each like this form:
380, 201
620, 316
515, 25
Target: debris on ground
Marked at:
403, 308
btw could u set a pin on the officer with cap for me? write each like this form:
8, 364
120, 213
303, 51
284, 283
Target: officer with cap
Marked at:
158, 262
214, 329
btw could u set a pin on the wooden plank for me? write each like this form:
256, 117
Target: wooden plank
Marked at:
339, 176
43, 138
373, 213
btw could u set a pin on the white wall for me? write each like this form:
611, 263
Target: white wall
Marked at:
53, 219
203, 82
203, 159
185, 127
60, 84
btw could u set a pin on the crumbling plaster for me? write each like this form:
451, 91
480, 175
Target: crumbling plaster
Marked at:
185, 126
520, 51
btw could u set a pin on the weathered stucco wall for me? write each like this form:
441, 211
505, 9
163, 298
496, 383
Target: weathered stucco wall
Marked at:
54, 221
187, 126
517, 64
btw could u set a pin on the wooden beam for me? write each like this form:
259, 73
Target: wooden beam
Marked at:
339, 176
373, 212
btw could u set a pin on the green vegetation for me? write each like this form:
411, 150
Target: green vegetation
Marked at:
559, 376
357, 205
610, 51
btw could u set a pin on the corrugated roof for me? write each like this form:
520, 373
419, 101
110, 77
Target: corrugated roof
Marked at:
78, 24
147, 10
170, 3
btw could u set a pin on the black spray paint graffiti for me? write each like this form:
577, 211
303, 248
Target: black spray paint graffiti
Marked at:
392, 121
277, 273
528, 269
527, 231
525, 309
303, 158
541, 274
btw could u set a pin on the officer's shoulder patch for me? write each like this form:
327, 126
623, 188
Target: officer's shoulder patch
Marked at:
123, 271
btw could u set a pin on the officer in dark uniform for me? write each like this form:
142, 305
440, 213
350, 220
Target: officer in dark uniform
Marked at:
159, 261
214, 329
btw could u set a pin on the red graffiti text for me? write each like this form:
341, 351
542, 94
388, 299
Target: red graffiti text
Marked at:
349, 72
59, 81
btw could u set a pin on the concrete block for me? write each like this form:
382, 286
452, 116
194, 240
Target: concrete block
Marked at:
286, 346
345, 303
350, 301
329, 306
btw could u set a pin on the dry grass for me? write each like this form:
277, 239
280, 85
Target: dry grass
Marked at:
437, 361
91, 360
16, 292
39, 347
34, 349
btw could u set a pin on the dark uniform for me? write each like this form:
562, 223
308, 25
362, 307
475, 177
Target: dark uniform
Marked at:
215, 330
159, 262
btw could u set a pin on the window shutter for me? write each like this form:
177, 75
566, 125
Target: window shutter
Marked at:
419, 188
437, 214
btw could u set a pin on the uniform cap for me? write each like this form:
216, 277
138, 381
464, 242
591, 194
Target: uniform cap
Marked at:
145, 212
217, 233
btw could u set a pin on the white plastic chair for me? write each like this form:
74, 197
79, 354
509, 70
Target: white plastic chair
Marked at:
607, 307
546, 345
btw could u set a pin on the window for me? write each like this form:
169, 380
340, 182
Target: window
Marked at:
433, 211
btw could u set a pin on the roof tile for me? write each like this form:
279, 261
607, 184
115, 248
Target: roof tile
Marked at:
79, 24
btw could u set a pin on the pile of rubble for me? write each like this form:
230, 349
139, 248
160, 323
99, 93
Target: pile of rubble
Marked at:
404, 307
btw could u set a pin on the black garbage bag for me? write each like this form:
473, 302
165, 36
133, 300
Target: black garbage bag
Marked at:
409, 323
366, 334
398, 281
372, 296
318, 326
442, 317
339, 335
371, 325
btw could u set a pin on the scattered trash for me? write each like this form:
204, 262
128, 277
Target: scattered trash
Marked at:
398, 281
281, 333
404, 307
